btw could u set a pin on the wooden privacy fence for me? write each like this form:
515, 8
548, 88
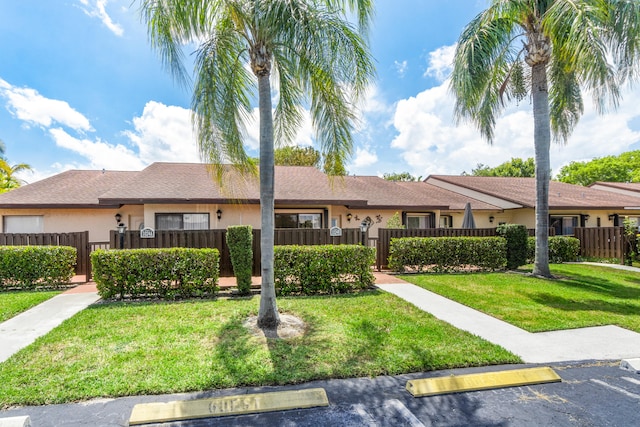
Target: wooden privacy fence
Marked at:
386, 234
601, 242
78, 240
217, 239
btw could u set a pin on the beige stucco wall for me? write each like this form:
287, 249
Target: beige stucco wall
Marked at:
246, 214
97, 222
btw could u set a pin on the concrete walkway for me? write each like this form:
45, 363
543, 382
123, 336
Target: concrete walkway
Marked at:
594, 343
23, 329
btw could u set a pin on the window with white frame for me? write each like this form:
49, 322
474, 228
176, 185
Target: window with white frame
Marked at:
182, 221
298, 220
419, 220
564, 225
23, 224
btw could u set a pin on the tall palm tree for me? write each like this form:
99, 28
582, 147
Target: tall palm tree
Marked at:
8, 178
306, 47
551, 50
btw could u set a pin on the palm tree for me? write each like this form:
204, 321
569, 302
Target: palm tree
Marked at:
8, 178
307, 47
551, 50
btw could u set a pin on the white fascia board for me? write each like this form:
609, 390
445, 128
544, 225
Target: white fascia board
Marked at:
478, 195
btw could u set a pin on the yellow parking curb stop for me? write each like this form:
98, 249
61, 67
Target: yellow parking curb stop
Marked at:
159, 412
482, 381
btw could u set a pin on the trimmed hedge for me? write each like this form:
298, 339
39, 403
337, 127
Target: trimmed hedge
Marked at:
322, 269
516, 236
561, 249
27, 267
161, 273
239, 241
446, 254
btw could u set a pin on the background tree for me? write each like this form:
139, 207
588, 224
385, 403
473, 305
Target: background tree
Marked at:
8, 175
622, 168
516, 167
401, 177
549, 50
318, 57
297, 156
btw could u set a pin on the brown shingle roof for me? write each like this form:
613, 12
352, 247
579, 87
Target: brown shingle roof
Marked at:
629, 186
192, 183
523, 191
74, 188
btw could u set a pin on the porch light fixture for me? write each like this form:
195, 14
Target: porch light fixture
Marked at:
118, 218
219, 214
586, 217
612, 217
349, 216
491, 218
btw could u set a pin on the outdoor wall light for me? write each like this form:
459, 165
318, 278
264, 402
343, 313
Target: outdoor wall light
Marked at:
118, 218
491, 218
219, 214
612, 217
349, 216
586, 217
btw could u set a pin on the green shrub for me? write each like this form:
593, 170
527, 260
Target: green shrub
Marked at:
561, 249
30, 266
516, 236
164, 273
445, 254
240, 240
323, 269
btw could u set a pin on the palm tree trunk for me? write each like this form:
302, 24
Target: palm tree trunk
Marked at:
542, 142
268, 314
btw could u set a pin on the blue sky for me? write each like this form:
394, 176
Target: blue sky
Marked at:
80, 88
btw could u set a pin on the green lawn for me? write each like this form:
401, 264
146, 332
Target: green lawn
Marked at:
15, 302
119, 349
581, 296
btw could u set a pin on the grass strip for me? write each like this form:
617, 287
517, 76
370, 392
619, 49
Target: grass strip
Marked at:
13, 303
120, 349
579, 296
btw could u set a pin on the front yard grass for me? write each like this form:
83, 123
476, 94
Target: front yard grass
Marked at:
13, 303
118, 349
582, 295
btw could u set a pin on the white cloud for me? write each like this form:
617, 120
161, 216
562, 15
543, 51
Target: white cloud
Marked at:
364, 158
440, 62
97, 9
163, 133
28, 105
431, 143
401, 67
101, 155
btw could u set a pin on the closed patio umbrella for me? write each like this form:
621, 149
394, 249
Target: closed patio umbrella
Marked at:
467, 219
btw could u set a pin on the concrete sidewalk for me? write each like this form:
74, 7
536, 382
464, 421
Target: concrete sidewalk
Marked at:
23, 329
594, 343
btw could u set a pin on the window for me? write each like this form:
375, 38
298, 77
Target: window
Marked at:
419, 221
23, 224
446, 221
182, 221
298, 220
564, 225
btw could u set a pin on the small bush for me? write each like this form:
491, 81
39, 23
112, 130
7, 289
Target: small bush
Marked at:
445, 254
323, 269
164, 273
516, 236
240, 240
561, 249
30, 266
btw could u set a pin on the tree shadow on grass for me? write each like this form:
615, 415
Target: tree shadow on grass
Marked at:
602, 286
566, 304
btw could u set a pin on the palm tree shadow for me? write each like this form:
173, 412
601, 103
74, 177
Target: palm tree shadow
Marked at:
566, 304
603, 286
